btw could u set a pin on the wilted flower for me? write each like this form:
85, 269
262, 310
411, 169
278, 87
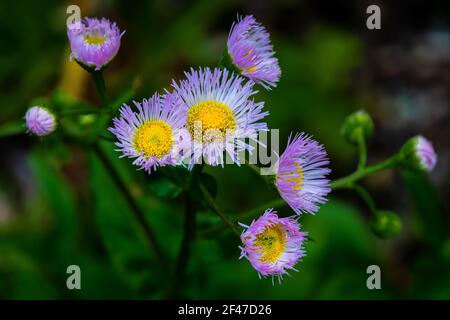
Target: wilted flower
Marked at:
219, 114
251, 53
418, 154
300, 178
273, 245
150, 135
94, 43
40, 121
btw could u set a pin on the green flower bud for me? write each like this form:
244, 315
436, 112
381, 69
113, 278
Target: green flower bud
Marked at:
355, 124
418, 154
386, 224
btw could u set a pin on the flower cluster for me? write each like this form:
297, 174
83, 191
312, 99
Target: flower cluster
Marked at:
211, 115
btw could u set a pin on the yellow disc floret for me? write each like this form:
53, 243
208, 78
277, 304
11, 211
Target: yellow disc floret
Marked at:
209, 121
271, 243
298, 180
94, 39
153, 138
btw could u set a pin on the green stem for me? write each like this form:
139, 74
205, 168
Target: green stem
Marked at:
364, 195
362, 151
12, 128
345, 182
135, 208
348, 181
209, 199
101, 88
82, 111
279, 202
185, 248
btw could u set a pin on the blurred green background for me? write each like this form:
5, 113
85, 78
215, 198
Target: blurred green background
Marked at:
59, 207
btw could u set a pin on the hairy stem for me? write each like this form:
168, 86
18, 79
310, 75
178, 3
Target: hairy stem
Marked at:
135, 208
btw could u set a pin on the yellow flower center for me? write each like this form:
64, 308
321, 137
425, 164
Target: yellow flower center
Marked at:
271, 243
253, 67
94, 39
210, 120
298, 180
153, 138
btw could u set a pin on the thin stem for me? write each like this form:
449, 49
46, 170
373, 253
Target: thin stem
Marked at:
185, 248
244, 216
362, 151
347, 182
82, 111
12, 128
364, 195
209, 199
101, 88
135, 209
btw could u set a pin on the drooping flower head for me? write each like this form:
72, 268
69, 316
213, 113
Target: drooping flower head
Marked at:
40, 121
273, 245
219, 113
94, 42
251, 52
301, 174
418, 154
150, 134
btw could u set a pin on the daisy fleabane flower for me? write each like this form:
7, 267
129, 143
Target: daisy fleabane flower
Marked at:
418, 154
273, 245
150, 134
301, 174
220, 114
94, 42
252, 53
40, 121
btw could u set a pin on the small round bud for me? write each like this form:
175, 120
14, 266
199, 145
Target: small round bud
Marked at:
418, 154
356, 123
40, 121
387, 224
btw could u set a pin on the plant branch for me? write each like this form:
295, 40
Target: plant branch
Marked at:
185, 248
348, 181
209, 199
101, 88
366, 197
362, 149
135, 208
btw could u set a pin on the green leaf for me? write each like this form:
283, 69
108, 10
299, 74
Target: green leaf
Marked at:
164, 188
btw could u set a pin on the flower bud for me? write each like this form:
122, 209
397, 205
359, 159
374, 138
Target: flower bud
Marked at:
418, 154
94, 42
40, 121
386, 224
355, 123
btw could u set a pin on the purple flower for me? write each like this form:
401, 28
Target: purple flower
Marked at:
251, 52
425, 153
273, 245
418, 154
94, 43
40, 121
150, 134
220, 114
301, 172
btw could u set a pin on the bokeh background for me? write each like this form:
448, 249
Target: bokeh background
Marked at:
58, 206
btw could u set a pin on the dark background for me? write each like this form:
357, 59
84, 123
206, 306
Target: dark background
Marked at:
59, 207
